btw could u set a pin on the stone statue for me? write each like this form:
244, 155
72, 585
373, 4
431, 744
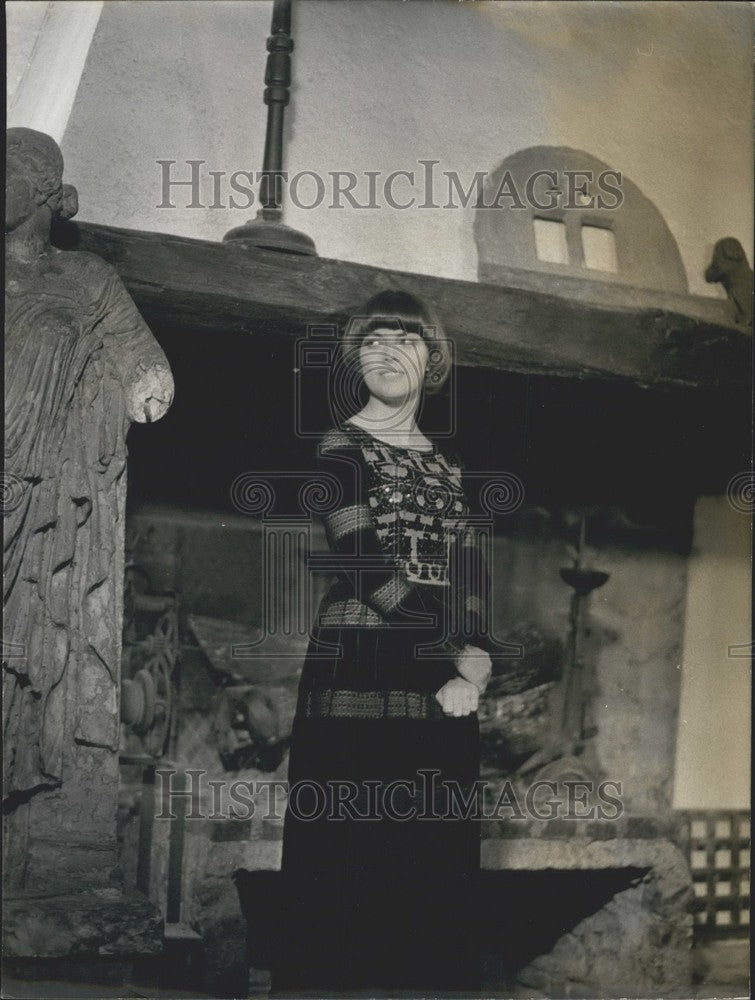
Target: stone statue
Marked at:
81, 365
729, 267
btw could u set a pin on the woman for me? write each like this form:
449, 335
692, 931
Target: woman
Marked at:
380, 853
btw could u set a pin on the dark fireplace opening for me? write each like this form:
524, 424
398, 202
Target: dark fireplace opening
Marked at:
524, 913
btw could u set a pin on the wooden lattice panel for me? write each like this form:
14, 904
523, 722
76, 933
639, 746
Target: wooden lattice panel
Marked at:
719, 857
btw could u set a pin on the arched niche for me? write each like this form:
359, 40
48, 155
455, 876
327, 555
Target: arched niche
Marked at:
565, 212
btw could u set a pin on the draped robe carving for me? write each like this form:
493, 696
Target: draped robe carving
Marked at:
81, 365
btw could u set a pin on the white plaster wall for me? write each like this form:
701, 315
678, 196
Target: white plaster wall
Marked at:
662, 91
713, 744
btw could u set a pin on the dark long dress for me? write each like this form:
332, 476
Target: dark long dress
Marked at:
384, 902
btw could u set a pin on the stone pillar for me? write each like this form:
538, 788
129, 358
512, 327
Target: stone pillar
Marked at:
81, 366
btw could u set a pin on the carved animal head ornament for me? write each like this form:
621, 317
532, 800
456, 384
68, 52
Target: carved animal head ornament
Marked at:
34, 177
725, 252
729, 267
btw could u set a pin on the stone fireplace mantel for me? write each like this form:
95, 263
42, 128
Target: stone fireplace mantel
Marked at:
535, 854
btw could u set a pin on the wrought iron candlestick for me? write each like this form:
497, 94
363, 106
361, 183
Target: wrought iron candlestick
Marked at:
583, 581
572, 693
268, 231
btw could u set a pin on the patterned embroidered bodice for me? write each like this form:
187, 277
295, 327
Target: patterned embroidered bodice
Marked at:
409, 585
417, 502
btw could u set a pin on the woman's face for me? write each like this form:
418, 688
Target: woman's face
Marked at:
393, 364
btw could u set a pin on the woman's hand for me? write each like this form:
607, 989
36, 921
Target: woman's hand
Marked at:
458, 697
474, 666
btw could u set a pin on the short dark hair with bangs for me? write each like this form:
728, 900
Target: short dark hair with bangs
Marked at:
399, 310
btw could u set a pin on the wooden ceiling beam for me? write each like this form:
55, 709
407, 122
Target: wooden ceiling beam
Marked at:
537, 324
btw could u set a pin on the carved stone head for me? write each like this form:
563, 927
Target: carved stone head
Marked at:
34, 178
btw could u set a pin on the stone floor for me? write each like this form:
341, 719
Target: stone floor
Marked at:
49, 990
66, 991
62, 991
725, 963
723, 967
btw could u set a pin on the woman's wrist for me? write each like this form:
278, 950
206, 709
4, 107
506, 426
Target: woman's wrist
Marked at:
473, 664
480, 684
